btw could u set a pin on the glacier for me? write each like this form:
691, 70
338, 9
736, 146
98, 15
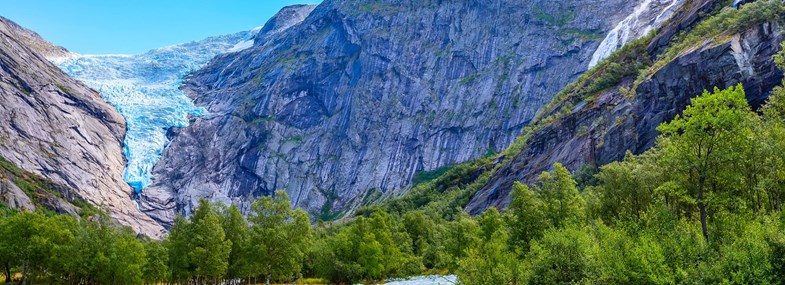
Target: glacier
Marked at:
144, 88
649, 14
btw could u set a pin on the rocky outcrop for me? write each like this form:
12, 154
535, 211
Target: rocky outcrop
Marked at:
680, 21
35, 41
22, 190
601, 131
362, 95
281, 21
57, 128
13, 197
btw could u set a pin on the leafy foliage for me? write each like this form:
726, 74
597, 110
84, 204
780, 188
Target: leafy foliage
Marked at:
277, 237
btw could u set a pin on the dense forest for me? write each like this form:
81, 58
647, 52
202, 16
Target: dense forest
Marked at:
704, 205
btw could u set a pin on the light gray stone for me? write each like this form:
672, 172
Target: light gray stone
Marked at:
362, 95
59, 129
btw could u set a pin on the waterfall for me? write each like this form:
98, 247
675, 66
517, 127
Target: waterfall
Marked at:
648, 15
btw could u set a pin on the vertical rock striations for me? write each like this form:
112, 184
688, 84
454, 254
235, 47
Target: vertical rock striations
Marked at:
603, 129
361, 95
59, 129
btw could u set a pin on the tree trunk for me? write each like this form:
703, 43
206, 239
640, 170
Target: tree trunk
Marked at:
702, 206
7, 273
24, 274
268, 274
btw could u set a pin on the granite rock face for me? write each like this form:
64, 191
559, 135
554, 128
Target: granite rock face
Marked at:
59, 129
360, 96
13, 197
35, 41
283, 20
604, 130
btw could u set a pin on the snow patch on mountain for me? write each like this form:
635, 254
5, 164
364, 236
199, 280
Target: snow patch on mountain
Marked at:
247, 41
145, 90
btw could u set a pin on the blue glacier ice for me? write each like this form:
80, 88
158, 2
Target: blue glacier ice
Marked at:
144, 88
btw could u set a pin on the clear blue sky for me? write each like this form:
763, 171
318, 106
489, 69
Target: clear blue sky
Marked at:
126, 26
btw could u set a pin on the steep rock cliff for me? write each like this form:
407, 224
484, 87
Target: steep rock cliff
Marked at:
362, 95
58, 129
602, 129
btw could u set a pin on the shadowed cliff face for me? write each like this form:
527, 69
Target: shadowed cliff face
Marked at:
603, 130
56, 128
362, 95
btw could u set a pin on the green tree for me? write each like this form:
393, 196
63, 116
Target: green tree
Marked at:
351, 254
626, 188
236, 230
525, 217
625, 259
563, 256
6, 251
700, 146
563, 203
337, 259
425, 237
371, 257
420, 229
744, 258
104, 254
156, 269
773, 138
278, 237
179, 247
461, 235
60, 232
491, 262
29, 245
209, 248
127, 257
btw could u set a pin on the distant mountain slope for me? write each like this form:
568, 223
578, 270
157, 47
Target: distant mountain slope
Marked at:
353, 102
595, 126
59, 129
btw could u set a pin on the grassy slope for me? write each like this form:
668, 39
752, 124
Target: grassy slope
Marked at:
34, 186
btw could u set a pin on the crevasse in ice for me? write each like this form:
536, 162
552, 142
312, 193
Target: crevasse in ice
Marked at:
144, 88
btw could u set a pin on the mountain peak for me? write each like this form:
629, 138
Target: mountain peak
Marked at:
35, 41
284, 19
